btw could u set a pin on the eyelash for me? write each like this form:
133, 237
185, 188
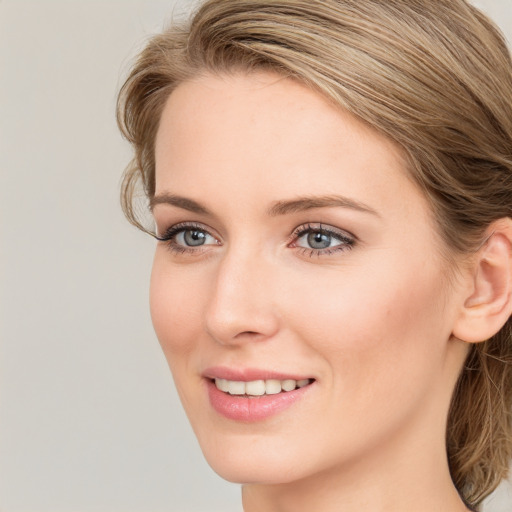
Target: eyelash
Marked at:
169, 237
347, 241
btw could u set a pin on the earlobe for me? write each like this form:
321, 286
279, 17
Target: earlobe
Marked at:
489, 305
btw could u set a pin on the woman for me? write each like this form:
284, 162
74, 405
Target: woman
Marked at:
331, 186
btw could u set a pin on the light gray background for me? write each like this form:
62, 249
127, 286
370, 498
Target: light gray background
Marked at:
89, 419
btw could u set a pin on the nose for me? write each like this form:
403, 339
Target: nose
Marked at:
241, 306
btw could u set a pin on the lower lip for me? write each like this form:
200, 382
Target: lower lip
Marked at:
243, 408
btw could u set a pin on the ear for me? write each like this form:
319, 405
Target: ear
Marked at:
488, 305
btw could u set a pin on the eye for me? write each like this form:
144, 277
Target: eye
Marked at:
319, 239
187, 238
316, 240
193, 238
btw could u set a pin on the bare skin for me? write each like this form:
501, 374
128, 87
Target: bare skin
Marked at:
350, 292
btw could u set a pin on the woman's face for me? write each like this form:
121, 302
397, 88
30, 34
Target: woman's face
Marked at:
297, 252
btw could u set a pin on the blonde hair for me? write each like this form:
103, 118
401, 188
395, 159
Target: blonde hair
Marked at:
435, 77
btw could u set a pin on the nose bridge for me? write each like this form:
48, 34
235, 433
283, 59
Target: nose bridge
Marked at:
241, 305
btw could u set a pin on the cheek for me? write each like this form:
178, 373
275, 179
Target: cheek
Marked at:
382, 344
175, 304
379, 317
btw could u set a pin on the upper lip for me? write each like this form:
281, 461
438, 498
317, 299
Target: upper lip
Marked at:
249, 374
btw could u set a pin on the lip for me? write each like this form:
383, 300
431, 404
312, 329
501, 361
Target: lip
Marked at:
245, 409
249, 374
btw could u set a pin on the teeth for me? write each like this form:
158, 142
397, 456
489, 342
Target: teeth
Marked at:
289, 385
259, 387
236, 387
255, 387
273, 386
222, 384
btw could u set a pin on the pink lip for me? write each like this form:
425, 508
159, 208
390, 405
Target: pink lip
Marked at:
248, 374
243, 408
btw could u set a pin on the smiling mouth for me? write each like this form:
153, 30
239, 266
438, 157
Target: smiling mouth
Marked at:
256, 388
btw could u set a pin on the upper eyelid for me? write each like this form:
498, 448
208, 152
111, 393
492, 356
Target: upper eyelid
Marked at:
327, 228
296, 233
183, 226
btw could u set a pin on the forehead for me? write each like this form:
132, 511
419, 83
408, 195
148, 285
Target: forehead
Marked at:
261, 101
264, 135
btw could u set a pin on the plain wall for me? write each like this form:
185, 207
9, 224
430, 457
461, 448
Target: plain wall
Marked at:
89, 419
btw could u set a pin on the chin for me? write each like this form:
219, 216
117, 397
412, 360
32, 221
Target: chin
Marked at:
251, 460
252, 472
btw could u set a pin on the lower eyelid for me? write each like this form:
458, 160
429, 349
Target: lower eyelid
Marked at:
318, 253
345, 240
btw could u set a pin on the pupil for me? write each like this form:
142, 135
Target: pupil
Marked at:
319, 240
194, 238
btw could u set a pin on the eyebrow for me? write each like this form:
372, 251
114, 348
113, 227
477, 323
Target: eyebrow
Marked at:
299, 204
181, 202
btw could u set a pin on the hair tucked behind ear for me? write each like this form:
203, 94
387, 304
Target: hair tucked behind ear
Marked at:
435, 77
